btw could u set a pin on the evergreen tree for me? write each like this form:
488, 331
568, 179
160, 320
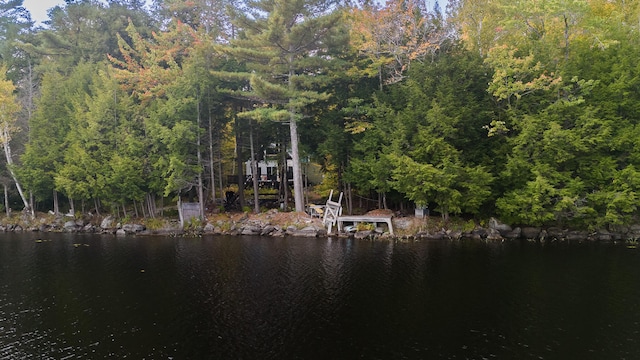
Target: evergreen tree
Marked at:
48, 128
287, 46
87, 31
437, 138
15, 20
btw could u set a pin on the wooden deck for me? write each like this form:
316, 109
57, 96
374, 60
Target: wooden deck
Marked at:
364, 218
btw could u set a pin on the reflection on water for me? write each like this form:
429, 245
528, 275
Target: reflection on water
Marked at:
93, 297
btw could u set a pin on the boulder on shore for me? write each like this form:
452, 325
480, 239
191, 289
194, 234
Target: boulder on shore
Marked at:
502, 228
278, 224
107, 223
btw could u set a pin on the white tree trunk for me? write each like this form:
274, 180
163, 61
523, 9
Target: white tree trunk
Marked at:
201, 170
297, 169
72, 207
211, 162
56, 204
298, 195
7, 153
6, 201
254, 173
284, 176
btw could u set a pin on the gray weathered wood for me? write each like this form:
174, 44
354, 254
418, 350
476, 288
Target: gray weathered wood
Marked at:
332, 210
363, 218
188, 211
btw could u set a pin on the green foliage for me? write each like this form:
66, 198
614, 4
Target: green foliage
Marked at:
126, 219
452, 187
414, 144
289, 49
194, 224
154, 224
531, 205
180, 174
532, 116
371, 169
49, 126
365, 227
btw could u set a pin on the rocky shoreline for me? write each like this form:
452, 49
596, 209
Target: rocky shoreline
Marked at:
276, 224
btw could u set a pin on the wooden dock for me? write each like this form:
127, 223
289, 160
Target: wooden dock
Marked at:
367, 219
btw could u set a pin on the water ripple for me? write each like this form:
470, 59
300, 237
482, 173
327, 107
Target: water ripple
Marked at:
72, 297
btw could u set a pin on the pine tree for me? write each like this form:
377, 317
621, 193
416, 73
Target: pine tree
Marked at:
287, 46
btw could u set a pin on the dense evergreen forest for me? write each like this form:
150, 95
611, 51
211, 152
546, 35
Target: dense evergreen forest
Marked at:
526, 110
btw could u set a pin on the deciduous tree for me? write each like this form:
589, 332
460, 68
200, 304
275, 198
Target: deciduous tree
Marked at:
9, 109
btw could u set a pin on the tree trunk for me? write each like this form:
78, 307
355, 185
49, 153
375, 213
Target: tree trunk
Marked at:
298, 196
147, 205
200, 167
151, 205
72, 208
239, 164
566, 38
143, 209
56, 204
29, 106
135, 208
254, 174
284, 175
6, 200
9, 157
220, 183
295, 159
349, 199
211, 162
305, 188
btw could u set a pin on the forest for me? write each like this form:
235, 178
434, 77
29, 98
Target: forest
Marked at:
527, 110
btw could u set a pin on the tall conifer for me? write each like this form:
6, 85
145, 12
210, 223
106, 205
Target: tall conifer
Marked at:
287, 46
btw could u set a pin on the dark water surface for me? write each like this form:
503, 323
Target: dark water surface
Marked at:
96, 297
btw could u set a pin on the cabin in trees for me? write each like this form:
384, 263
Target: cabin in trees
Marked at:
269, 171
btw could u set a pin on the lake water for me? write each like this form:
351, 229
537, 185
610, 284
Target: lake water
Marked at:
95, 297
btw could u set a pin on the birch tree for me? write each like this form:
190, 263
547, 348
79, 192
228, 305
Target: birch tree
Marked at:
9, 109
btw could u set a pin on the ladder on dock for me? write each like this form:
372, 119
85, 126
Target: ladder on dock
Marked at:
332, 210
